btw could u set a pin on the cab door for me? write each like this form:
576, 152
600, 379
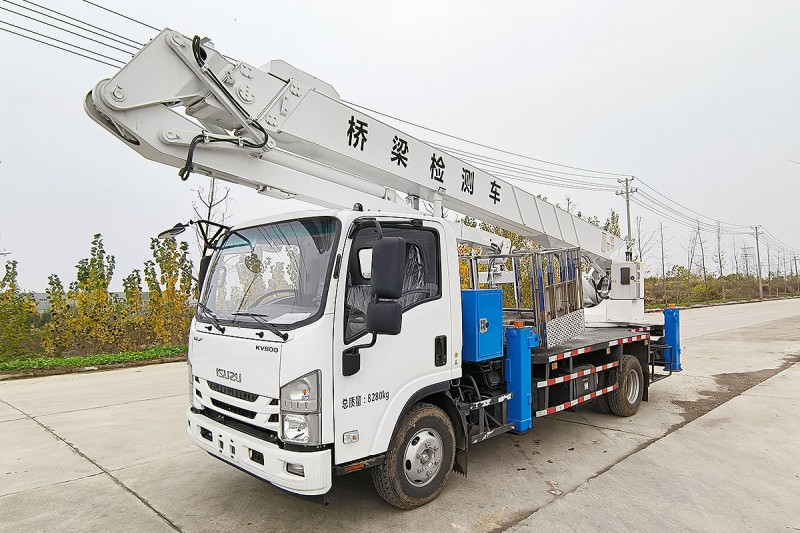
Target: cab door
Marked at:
368, 403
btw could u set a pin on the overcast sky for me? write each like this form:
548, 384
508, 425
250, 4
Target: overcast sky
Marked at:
701, 100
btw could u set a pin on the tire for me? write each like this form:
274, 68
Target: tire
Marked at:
625, 400
399, 480
600, 403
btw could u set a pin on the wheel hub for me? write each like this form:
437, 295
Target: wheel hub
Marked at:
423, 457
632, 386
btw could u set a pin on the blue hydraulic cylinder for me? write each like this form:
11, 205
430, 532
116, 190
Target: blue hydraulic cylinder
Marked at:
519, 342
672, 338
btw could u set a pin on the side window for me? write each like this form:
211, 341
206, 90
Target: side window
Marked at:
421, 276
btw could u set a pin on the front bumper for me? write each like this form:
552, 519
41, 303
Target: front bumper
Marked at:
243, 451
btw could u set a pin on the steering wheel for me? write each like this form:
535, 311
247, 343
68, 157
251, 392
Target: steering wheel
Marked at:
271, 293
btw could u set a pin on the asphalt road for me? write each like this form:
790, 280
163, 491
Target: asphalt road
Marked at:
107, 451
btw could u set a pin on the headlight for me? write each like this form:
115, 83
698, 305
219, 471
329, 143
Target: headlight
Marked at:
300, 410
301, 429
302, 394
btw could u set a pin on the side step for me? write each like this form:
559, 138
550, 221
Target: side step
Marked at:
488, 426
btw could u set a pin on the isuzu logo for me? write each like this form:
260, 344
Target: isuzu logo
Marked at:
266, 348
227, 374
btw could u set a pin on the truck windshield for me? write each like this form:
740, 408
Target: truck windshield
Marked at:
274, 274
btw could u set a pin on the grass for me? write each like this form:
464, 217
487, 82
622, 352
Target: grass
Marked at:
92, 360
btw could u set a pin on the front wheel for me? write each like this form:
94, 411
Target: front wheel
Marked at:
419, 460
625, 400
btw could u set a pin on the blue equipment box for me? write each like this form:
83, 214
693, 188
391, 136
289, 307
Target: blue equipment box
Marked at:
482, 324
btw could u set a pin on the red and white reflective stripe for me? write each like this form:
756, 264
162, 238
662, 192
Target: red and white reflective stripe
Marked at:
626, 340
571, 353
640, 330
573, 403
562, 379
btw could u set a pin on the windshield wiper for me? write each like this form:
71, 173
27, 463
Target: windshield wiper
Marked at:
214, 318
260, 319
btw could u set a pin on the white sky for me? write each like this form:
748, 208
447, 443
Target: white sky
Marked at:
699, 99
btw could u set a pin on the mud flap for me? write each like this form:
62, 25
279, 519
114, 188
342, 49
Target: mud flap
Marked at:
461, 460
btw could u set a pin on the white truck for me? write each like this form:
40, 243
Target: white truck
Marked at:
326, 342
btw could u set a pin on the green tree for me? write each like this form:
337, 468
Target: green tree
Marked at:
58, 334
170, 287
137, 333
17, 312
612, 224
96, 326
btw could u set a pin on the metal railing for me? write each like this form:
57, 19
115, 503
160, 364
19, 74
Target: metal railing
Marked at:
545, 284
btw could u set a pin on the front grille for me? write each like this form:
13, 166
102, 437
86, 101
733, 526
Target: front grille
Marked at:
259, 433
233, 409
230, 391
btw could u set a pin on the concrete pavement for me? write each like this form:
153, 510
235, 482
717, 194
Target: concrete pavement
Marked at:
108, 451
736, 468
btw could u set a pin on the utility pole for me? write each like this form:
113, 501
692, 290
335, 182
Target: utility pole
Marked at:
719, 259
785, 281
769, 272
663, 263
627, 193
747, 254
758, 265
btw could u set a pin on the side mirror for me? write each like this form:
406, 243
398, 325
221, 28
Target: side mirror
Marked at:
385, 317
388, 265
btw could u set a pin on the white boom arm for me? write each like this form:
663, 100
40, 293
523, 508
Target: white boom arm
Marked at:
289, 135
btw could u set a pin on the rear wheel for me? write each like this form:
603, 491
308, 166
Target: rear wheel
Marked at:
420, 459
600, 403
625, 400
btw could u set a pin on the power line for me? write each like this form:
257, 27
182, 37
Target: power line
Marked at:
85, 23
457, 150
691, 210
62, 42
682, 220
654, 205
231, 59
479, 144
694, 225
693, 220
644, 205
778, 240
71, 24
543, 182
121, 15
777, 245
65, 30
60, 48
561, 180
